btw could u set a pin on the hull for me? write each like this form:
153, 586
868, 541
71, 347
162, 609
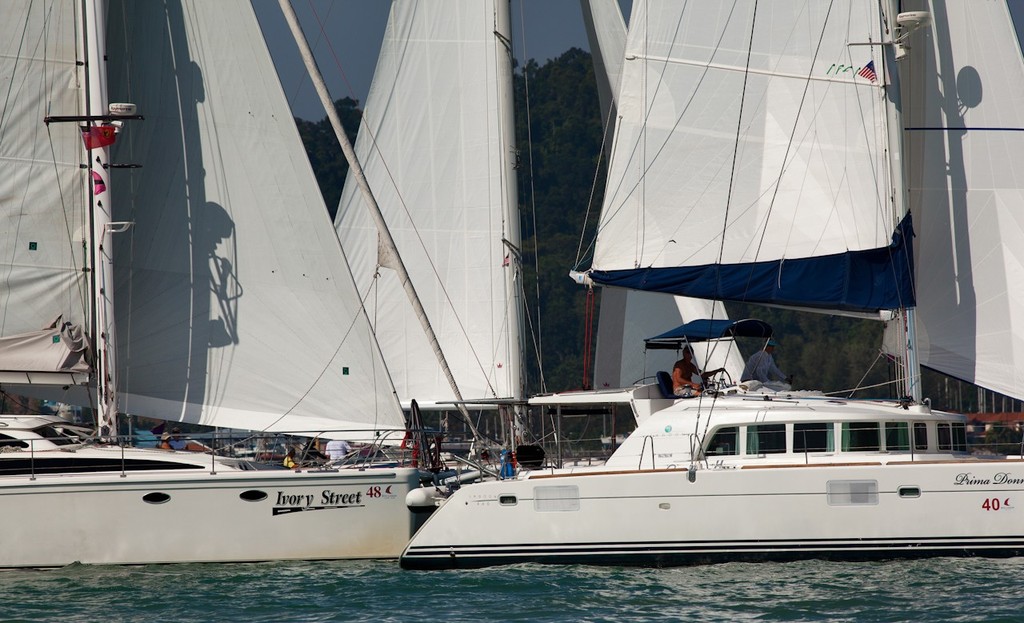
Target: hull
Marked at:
202, 517
662, 518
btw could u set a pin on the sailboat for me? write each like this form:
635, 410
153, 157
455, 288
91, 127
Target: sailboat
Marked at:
190, 221
768, 152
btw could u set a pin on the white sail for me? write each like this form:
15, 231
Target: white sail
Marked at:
747, 140
627, 317
965, 140
43, 224
235, 307
435, 146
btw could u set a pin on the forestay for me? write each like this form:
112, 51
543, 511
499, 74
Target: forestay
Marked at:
750, 161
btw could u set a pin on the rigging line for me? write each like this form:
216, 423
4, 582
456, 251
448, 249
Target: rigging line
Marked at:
593, 191
536, 334
792, 135
322, 34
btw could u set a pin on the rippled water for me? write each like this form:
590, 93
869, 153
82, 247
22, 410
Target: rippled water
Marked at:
932, 590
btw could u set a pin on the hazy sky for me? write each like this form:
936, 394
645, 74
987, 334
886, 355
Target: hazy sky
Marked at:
542, 29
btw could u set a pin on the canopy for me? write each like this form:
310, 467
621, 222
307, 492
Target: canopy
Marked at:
707, 329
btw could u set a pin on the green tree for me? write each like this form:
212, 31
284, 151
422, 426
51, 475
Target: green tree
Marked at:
325, 155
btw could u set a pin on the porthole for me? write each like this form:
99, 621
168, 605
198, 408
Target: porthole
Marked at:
507, 500
910, 492
253, 495
157, 497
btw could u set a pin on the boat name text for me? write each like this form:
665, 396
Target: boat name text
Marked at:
327, 497
1000, 478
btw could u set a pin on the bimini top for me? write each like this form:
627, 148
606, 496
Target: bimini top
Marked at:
707, 329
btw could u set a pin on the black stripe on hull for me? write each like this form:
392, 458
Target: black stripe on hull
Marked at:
640, 555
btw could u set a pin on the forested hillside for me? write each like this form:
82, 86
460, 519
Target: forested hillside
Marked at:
559, 136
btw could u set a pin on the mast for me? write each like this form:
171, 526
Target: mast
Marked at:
371, 203
506, 111
102, 282
893, 51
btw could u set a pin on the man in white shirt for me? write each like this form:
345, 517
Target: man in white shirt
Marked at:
337, 449
761, 367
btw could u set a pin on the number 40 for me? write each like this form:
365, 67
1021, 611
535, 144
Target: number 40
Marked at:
994, 504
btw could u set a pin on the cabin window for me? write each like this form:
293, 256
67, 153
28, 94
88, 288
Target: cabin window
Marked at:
897, 436
766, 439
861, 437
6, 441
952, 437
920, 436
723, 442
959, 437
813, 437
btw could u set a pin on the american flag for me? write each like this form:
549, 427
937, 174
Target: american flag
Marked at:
868, 71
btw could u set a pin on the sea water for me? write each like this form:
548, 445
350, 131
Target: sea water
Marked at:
941, 589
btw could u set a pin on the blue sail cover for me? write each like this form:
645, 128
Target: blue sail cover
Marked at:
870, 280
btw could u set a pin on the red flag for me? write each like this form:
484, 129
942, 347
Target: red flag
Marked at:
99, 136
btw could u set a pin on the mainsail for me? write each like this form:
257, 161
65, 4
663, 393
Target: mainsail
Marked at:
750, 161
436, 148
627, 317
964, 81
234, 304
43, 193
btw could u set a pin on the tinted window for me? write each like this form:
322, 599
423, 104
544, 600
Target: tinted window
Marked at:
920, 436
945, 437
960, 437
897, 436
766, 439
723, 442
6, 441
861, 436
813, 437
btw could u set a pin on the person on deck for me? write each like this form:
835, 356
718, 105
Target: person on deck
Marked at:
289, 459
761, 367
337, 449
686, 377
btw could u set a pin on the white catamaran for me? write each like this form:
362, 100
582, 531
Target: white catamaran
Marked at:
196, 228
769, 152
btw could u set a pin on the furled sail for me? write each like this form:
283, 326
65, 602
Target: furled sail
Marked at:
235, 306
964, 81
43, 221
750, 159
436, 147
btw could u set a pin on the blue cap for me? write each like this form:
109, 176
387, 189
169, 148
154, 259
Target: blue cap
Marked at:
772, 343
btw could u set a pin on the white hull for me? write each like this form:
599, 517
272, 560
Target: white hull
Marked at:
773, 513
54, 520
